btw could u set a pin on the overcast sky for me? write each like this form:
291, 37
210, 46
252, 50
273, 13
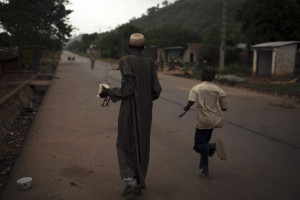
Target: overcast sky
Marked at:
91, 16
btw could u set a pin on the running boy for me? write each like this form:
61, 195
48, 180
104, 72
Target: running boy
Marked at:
211, 101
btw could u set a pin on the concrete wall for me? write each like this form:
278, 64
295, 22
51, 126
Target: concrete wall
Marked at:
277, 62
11, 109
9, 66
254, 63
192, 52
285, 61
187, 55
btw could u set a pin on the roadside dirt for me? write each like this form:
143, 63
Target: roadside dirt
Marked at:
11, 142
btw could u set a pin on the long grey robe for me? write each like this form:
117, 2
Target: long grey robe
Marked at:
140, 86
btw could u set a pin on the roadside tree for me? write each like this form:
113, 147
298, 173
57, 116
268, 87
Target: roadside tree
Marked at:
270, 20
170, 35
43, 22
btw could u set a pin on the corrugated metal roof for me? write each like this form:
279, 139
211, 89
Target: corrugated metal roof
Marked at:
275, 44
173, 48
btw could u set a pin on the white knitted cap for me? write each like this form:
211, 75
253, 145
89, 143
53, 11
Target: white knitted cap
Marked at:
137, 40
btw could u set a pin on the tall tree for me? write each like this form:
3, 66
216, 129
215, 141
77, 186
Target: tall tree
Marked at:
270, 20
210, 46
165, 3
109, 45
170, 35
123, 33
152, 10
4, 39
36, 21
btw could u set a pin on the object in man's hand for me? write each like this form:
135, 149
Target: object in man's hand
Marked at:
103, 90
104, 93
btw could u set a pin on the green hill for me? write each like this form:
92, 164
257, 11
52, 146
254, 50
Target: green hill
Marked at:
197, 15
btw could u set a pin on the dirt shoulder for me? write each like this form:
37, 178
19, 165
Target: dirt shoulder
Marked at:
19, 103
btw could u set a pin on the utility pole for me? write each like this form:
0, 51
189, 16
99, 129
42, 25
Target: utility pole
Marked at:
223, 38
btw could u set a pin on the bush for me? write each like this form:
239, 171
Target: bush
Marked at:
239, 70
197, 72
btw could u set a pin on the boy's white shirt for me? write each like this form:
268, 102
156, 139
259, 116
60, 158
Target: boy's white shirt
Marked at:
210, 99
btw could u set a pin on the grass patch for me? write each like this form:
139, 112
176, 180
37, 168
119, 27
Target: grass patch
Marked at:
238, 70
83, 54
109, 60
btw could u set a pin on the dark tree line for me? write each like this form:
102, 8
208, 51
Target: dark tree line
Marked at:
114, 44
171, 35
256, 21
31, 22
269, 20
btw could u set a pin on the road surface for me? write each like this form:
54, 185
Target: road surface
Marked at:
70, 151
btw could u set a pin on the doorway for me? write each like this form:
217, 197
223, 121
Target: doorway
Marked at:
264, 64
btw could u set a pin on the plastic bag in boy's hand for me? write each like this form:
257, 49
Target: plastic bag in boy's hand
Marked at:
103, 90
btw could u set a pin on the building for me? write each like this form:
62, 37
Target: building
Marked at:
8, 60
191, 53
30, 57
171, 53
274, 59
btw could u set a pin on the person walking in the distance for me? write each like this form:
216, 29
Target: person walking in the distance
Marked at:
92, 61
140, 86
211, 101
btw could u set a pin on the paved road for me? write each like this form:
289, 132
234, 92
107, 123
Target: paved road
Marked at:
70, 151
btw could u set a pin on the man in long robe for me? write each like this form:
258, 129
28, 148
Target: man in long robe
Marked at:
140, 86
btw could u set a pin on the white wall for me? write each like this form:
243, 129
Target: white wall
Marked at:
285, 60
187, 53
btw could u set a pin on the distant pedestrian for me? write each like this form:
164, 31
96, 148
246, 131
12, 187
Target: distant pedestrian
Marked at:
92, 61
211, 101
140, 87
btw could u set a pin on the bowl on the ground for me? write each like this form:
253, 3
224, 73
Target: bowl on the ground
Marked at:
24, 183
